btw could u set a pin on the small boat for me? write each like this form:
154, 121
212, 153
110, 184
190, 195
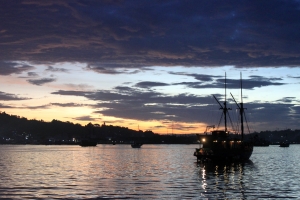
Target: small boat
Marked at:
88, 143
136, 145
284, 144
221, 145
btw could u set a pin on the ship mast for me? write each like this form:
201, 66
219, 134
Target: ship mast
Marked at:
241, 108
224, 108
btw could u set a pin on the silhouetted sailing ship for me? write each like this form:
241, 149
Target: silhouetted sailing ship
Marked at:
220, 145
136, 145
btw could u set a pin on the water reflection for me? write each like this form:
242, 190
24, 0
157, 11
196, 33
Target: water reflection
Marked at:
152, 172
223, 180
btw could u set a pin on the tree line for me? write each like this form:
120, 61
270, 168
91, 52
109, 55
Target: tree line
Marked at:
20, 130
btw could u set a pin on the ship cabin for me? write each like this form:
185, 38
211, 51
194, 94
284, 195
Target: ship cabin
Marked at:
219, 139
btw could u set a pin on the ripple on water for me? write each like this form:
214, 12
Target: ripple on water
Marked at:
152, 172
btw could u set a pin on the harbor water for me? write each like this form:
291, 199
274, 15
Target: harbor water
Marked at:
150, 172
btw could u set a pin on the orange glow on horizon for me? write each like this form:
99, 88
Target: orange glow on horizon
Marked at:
70, 115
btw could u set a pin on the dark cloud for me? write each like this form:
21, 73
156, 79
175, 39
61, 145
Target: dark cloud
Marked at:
287, 100
124, 89
297, 77
111, 69
53, 69
199, 77
132, 103
23, 106
32, 74
35, 107
125, 34
149, 84
70, 105
210, 81
42, 81
79, 86
86, 118
10, 97
73, 93
67, 104
253, 82
8, 68
269, 116
102, 70
46, 106
3, 106
296, 110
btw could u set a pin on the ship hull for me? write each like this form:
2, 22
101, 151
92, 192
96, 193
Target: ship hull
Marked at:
224, 156
219, 146
136, 145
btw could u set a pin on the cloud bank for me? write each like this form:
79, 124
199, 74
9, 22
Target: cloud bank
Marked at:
131, 34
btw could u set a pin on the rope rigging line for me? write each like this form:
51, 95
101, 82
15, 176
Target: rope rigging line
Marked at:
237, 128
230, 121
246, 123
220, 121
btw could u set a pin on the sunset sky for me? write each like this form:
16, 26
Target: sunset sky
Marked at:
151, 64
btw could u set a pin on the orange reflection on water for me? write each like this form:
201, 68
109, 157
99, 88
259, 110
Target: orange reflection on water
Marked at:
221, 178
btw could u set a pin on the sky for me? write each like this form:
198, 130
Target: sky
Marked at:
151, 65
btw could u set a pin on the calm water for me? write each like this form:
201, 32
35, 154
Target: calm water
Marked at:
152, 172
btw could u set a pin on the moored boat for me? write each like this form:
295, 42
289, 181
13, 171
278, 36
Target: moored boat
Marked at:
284, 144
88, 143
221, 145
136, 145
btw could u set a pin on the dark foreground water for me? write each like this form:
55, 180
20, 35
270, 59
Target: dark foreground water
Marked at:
152, 172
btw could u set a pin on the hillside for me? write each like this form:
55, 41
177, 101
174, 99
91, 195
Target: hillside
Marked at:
19, 130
